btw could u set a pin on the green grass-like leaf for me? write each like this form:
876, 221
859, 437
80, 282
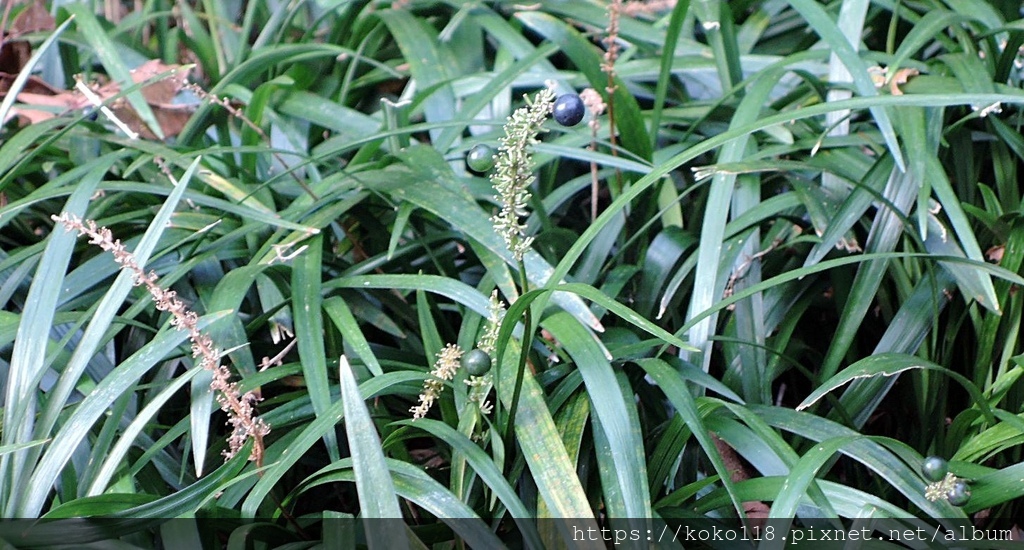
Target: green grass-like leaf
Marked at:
787, 249
373, 480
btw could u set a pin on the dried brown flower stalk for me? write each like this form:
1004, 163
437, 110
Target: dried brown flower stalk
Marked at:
239, 407
611, 55
648, 7
611, 42
237, 113
226, 104
595, 105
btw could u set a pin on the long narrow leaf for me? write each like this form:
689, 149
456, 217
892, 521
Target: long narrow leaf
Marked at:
377, 499
108, 53
309, 330
30, 347
76, 428
610, 406
829, 31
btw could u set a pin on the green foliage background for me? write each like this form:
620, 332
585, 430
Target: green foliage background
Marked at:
805, 268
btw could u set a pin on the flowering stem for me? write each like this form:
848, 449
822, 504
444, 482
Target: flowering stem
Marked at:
511, 178
523, 354
240, 408
513, 172
608, 67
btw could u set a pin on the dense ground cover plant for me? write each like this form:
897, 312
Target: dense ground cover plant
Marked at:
778, 267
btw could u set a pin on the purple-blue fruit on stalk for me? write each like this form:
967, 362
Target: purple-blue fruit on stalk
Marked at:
959, 494
569, 110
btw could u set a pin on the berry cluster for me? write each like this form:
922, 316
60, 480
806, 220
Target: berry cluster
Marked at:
568, 110
944, 484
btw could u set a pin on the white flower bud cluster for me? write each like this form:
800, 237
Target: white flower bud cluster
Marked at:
513, 173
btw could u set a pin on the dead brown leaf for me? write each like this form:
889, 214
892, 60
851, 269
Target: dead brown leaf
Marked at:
34, 85
756, 510
159, 95
15, 53
60, 102
34, 18
171, 118
163, 91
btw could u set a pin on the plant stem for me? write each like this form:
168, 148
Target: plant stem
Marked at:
523, 354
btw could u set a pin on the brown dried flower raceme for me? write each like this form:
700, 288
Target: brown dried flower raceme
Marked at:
648, 7
239, 407
611, 42
595, 105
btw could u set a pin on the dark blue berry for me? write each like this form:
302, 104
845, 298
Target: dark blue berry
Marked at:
959, 494
480, 158
568, 110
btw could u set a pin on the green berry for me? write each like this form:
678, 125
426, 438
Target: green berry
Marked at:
959, 494
934, 468
480, 158
477, 362
568, 110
